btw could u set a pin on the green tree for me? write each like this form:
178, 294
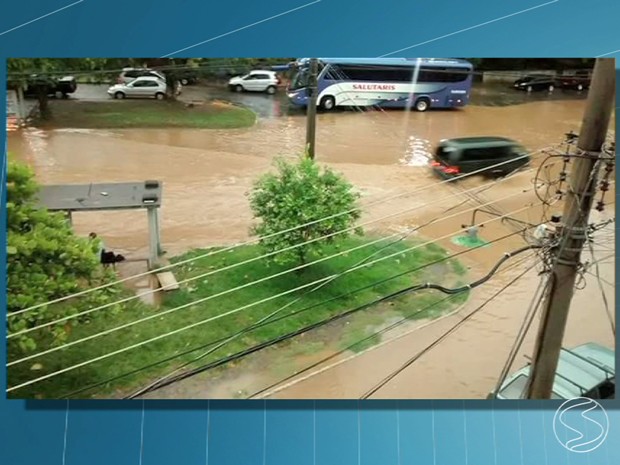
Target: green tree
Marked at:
45, 260
36, 74
299, 193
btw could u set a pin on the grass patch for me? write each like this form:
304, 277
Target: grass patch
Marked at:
147, 114
227, 321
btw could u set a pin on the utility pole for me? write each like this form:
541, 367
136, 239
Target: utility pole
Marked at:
579, 199
311, 108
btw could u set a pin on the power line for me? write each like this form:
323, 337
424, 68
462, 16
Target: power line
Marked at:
302, 310
258, 239
527, 322
227, 65
269, 390
408, 290
235, 265
445, 335
284, 307
199, 323
243, 286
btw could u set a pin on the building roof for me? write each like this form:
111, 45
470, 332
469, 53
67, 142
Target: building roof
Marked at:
104, 196
579, 370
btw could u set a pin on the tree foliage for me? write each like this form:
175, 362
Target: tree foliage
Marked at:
45, 260
299, 193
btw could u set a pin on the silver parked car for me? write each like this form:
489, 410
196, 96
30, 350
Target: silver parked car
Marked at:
142, 87
255, 81
129, 74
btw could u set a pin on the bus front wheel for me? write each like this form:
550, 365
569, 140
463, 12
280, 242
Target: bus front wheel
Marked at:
328, 103
422, 104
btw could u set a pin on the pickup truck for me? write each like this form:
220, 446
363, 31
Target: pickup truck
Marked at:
580, 80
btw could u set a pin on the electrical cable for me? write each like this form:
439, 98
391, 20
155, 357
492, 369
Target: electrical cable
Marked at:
553, 277
407, 290
444, 336
302, 310
196, 324
258, 239
219, 270
284, 307
523, 330
279, 385
228, 291
207, 66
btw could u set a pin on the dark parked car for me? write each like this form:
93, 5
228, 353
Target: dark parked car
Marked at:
489, 156
535, 82
59, 87
188, 77
580, 80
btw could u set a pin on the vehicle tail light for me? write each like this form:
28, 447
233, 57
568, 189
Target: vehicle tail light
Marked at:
451, 170
435, 163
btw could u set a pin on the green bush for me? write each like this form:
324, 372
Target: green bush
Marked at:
299, 193
45, 260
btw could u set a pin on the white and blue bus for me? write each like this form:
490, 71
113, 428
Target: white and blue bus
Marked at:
419, 83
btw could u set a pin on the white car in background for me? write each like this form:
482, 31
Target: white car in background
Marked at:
142, 87
129, 74
255, 81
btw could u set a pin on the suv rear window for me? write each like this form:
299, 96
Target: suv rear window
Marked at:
444, 153
487, 153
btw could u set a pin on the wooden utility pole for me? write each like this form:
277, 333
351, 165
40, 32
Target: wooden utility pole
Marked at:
311, 108
580, 196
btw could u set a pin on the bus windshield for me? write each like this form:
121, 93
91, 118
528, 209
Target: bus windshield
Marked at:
300, 80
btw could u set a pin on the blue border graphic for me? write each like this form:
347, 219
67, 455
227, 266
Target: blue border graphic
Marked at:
299, 432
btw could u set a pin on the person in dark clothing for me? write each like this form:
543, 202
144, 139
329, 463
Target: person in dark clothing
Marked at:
106, 257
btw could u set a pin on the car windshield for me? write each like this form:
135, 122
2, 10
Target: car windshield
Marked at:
300, 80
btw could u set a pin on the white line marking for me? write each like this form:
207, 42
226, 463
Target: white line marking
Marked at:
608, 53
242, 28
472, 27
41, 17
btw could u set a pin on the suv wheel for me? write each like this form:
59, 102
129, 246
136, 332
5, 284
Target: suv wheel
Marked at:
271, 90
160, 96
238, 88
184, 82
580, 87
551, 88
119, 96
530, 88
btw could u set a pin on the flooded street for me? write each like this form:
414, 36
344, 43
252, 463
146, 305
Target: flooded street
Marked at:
206, 175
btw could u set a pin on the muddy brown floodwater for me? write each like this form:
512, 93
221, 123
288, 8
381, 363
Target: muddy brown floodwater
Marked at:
207, 173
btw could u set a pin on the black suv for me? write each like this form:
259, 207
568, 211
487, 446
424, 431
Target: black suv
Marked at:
535, 82
59, 87
488, 156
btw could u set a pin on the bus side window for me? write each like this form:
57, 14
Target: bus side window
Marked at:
331, 74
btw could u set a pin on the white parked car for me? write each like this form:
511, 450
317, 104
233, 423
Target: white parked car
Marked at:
255, 81
129, 74
142, 87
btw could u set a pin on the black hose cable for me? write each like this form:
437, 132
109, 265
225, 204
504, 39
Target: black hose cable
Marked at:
370, 337
304, 309
438, 341
279, 339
